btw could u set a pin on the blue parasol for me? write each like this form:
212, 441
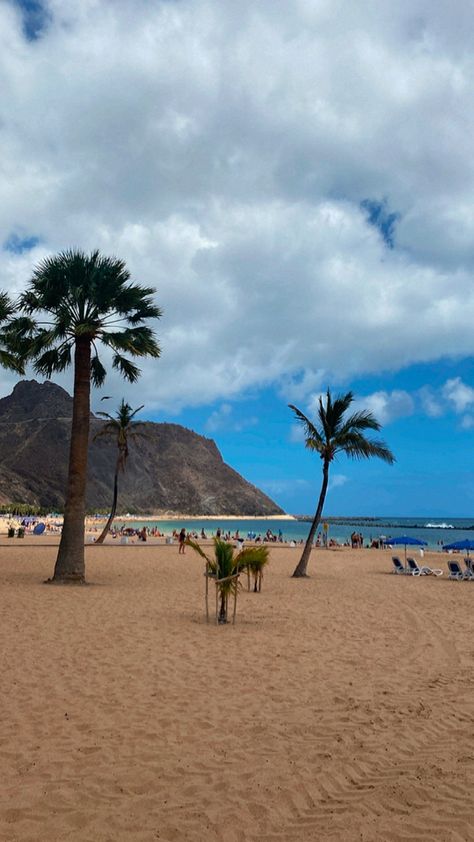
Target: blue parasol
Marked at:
466, 544
39, 529
406, 540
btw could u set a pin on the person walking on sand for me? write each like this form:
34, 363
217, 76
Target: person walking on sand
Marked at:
182, 541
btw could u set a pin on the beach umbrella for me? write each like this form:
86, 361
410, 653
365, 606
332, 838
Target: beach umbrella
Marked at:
406, 540
466, 545
39, 529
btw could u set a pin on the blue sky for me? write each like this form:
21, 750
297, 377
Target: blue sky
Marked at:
432, 475
306, 220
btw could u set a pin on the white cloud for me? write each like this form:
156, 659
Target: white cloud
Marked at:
387, 406
288, 487
458, 394
296, 434
224, 419
431, 402
337, 480
224, 151
295, 387
219, 418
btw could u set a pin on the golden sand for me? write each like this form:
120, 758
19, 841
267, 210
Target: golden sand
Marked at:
337, 708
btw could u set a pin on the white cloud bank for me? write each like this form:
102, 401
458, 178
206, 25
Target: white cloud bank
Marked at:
223, 151
387, 406
454, 396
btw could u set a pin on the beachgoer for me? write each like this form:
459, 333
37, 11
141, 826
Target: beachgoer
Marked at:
181, 541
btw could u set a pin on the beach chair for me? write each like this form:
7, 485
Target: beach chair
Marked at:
398, 566
415, 570
456, 572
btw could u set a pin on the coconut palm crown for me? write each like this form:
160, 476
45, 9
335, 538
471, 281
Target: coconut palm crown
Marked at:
337, 433
74, 303
122, 428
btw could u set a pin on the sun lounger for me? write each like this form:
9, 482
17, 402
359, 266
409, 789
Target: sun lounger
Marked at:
415, 570
397, 565
456, 571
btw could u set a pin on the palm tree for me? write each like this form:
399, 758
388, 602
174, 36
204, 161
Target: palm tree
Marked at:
255, 567
122, 428
225, 567
75, 301
7, 358
337, 434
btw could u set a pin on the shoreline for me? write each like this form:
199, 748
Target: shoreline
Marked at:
179, 517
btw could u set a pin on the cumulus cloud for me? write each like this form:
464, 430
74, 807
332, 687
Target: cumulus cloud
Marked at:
387, 406
296, 387
235, 162
431, 402
223, 419
459, 394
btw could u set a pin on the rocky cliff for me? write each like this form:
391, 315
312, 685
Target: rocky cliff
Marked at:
170, 468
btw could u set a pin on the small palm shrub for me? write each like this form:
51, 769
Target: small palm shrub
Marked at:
256, 565
224, 567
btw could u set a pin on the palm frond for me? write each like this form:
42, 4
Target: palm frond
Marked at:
138, 341
98, 372
11, 361
331, 414
7, 308
253, 557
313, 437
356, 446
53, 360
199, 550
127, 369
131, 413
363, 420
110, 417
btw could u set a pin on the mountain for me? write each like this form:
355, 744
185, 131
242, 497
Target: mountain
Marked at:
170, 469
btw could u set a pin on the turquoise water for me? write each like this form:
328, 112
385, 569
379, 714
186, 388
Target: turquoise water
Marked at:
435, 531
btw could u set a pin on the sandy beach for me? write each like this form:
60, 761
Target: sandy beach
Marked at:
337, 708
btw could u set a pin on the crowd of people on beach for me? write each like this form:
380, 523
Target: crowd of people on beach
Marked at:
26, 525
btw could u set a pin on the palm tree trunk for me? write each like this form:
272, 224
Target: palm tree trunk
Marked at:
301, 567
70, 564
223, 607
105, 531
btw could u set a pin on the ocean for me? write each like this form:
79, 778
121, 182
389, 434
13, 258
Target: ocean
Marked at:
435, 531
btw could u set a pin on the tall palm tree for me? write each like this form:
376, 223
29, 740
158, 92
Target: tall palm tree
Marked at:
337, 434
7, 358
122, 428
74, 302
